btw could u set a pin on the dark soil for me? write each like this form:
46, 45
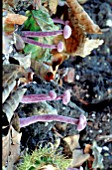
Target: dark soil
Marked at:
91, 93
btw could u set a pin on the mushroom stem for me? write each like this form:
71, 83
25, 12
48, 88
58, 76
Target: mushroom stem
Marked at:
46, 118
57, 20
59, 46
41, 34
30, 41
35, 98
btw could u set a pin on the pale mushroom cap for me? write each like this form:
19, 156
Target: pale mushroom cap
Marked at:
60, 46
66, 97
67, 31
82, 123
52, 94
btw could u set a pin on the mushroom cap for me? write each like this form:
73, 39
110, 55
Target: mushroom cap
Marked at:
67, 31
52, 94
82, 123
60, 46
66, 97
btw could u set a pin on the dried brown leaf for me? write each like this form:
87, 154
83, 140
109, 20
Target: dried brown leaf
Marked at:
87, 46
79, 158
15, 19
7, 90
72, 141
78, 13
12, 103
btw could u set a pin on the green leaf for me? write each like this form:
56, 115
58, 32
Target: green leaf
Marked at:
44, 20
39, 20
38, 53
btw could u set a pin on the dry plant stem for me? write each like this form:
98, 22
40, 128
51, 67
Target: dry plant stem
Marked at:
46, 118
41, 34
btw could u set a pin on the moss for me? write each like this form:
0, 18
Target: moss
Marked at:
43, 156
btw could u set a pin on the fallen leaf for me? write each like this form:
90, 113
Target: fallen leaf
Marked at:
7, 90
12, 103
15, 19
72, 141
78, 13
15, 136
87, 46
79, 158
